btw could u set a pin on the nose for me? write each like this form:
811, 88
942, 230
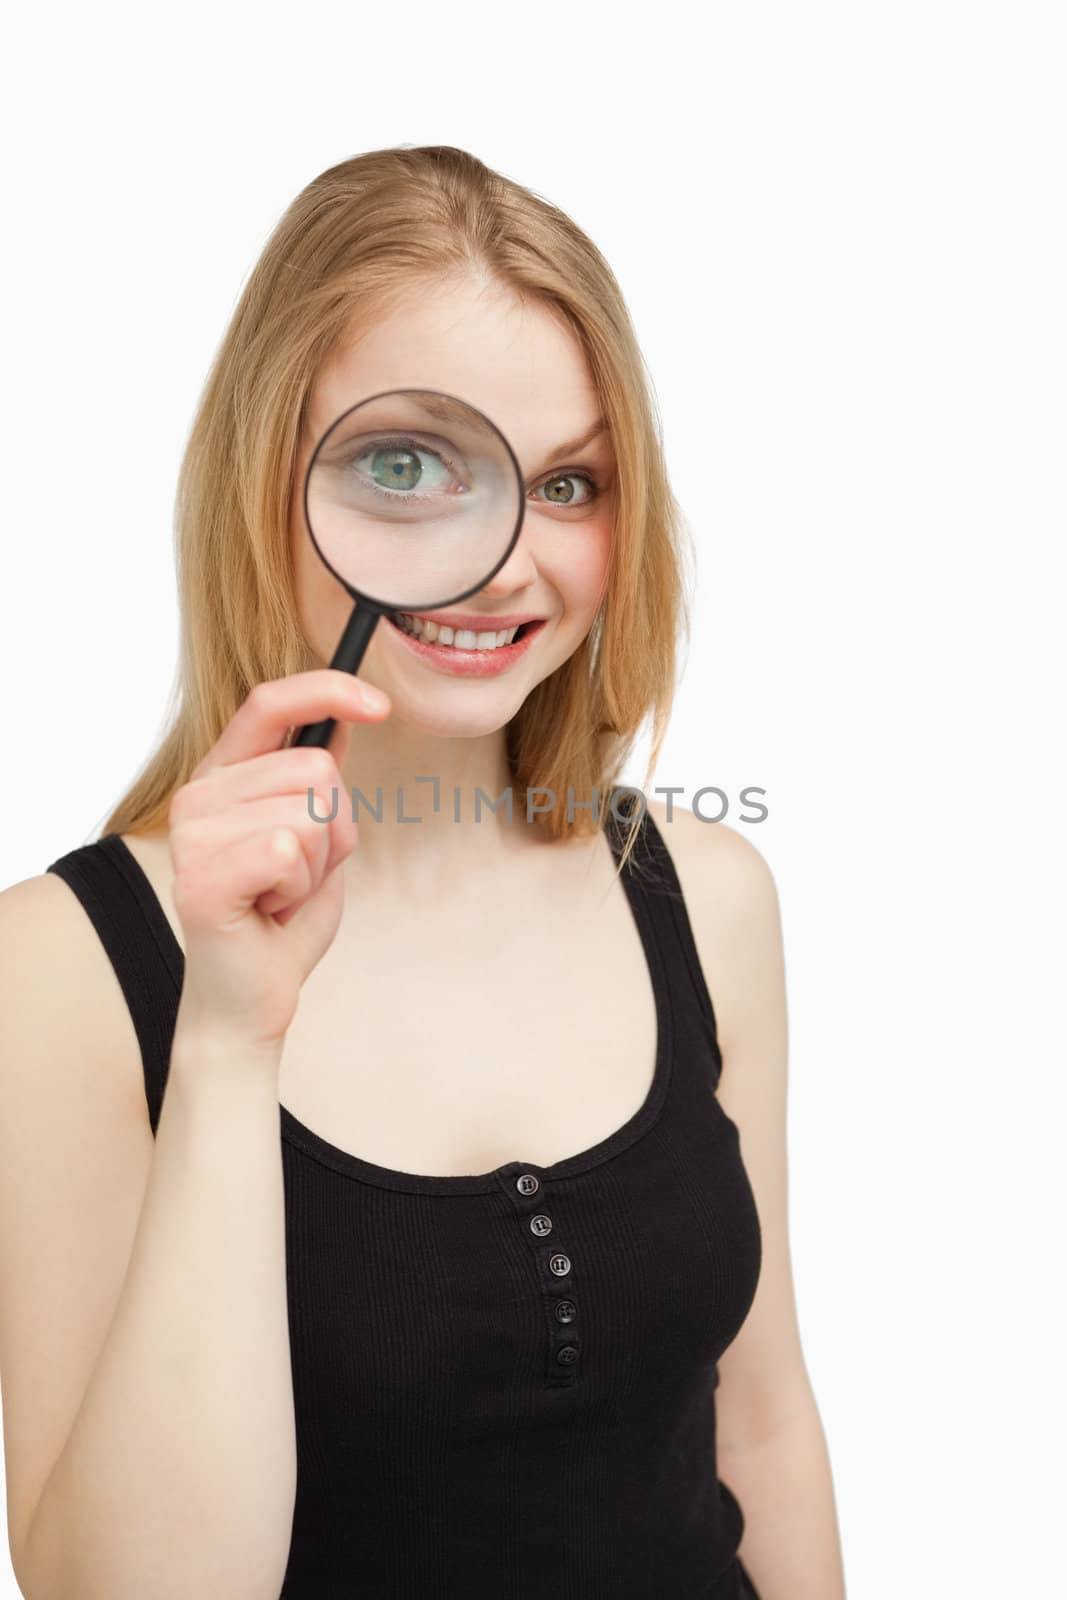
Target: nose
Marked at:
518, 571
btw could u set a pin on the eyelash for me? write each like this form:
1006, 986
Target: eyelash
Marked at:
554, 477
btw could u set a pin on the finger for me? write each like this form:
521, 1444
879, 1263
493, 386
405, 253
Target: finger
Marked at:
271, 708
293, 770
211, 895
325, 843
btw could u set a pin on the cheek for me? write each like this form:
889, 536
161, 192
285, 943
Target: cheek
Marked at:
584, 566
322, 605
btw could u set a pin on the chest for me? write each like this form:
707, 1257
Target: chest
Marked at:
454, 1040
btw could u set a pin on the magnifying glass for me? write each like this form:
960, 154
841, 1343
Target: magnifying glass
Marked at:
413, 500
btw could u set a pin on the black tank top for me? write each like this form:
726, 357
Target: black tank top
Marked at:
504, 1383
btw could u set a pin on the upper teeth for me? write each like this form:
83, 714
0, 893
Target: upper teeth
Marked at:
459, 638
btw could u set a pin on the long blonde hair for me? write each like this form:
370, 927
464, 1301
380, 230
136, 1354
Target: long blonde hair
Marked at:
353, 242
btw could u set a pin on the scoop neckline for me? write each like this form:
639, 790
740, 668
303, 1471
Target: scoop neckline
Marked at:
318, 1148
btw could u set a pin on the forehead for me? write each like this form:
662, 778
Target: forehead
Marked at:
516, 361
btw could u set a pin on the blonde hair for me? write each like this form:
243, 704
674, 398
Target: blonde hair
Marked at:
354, 242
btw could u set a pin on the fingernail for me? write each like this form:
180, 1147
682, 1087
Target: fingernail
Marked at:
373, 698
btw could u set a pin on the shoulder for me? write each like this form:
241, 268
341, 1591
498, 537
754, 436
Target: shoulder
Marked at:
731, 899
42, 924
61, 1004
722, 873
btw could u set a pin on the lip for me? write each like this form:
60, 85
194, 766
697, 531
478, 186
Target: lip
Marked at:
477, 622
470, 663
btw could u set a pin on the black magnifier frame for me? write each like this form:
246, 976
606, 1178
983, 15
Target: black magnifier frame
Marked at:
367, 608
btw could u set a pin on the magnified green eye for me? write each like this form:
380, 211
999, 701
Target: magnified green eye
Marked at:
397, 469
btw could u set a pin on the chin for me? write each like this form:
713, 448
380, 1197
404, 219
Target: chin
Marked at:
456, 720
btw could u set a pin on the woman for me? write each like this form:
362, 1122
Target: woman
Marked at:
511, 1312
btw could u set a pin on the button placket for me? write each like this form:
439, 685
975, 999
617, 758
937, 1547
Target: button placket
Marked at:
564, 1342
555, 1267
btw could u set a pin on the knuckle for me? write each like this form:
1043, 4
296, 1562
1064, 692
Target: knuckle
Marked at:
309, 829
321, 769
318, 804
260, 696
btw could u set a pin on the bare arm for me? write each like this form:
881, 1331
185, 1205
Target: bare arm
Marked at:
784, 1483
772, 1452
179, 1473
149, 1430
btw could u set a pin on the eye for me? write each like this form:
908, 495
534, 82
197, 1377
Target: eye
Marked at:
400, 466
561, 492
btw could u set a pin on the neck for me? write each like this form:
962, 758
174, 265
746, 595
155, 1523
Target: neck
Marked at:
427, 823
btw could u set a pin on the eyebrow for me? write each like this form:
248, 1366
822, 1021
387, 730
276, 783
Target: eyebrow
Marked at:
572, 446
445, 409
441, 406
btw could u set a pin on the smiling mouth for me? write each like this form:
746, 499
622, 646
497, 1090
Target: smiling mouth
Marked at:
462, 640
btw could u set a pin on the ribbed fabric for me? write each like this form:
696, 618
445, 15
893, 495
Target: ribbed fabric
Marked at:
485, 1410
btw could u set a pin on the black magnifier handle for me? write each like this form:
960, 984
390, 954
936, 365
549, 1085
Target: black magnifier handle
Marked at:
347, 657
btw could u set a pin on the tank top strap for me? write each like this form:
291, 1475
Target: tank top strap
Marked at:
139, 941
655, 892
133, 928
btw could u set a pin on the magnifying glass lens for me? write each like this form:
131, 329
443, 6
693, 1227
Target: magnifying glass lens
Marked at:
413, 498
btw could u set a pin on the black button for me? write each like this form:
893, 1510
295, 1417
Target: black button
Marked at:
560, 1265
540, 1225
566, 1310
527, 1184
567, 1355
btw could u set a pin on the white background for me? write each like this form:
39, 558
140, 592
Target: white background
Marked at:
840, 230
